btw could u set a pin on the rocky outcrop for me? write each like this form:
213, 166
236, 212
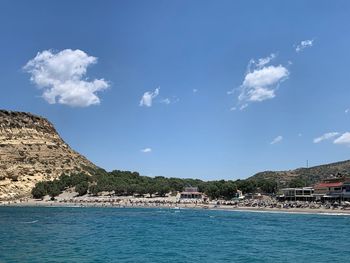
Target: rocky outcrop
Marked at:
31, 151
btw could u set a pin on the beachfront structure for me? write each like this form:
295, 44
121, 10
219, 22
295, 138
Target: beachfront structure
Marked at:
303, 193
332, 189
239, 195
191, 193
328, 190
346, 189
255, 196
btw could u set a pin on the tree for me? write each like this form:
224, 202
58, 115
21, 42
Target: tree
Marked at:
212, 191
246, 186
65, 180
39, 191
162, 188
94, 189
78, 178
268, 185
228, 190
82, 188
53, 189
131, 189
297, 182
176, 184
141, 189
151, 189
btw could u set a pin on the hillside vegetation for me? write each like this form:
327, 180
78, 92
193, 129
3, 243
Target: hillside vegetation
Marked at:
125, 183
305, 176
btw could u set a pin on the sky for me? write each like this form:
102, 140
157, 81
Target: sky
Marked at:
184, 88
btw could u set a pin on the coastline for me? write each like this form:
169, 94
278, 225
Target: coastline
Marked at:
180, 206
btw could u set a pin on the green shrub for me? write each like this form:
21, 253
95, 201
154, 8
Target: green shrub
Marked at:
82, 188
39, 191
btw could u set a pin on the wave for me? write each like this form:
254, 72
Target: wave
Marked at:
30, 222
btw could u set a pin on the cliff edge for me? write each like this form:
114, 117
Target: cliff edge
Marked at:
31, 150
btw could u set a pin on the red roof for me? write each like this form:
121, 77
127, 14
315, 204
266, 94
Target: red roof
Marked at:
329, 184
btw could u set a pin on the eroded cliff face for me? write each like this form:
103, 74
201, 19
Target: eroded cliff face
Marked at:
31, 151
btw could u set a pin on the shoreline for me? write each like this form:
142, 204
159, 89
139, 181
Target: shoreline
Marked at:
180, 206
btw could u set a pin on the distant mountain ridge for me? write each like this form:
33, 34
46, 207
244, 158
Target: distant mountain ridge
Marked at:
31, 150
310, 175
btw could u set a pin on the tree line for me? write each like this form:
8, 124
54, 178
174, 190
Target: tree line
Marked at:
126, 183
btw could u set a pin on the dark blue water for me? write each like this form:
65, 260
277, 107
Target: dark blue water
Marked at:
163, 235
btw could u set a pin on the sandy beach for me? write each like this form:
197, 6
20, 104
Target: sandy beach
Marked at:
68, 200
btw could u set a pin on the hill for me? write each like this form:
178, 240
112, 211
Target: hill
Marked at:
309, 176
31, 150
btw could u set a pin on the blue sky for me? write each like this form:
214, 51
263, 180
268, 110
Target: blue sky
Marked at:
184, 88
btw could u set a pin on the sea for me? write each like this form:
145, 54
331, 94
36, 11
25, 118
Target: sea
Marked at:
78, 234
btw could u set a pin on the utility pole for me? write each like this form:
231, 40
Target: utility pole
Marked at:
307, 163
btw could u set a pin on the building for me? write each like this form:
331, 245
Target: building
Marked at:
328, 190
331, 189
239, 195
346, 189
191, 193
302, 194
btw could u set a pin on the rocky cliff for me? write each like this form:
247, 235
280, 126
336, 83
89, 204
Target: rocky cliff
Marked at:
30, 151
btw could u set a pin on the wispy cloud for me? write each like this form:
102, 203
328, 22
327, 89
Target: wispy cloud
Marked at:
233, 108
304, 44
165, 101
146, 150
263, 61
326, 136
230, 92
344, 139
148, 97
347, 111
61, 76
338, 138
168, 101
278, 139
195, 90
261, 81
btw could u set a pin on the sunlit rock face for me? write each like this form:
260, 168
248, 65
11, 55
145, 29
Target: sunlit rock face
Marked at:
31, 150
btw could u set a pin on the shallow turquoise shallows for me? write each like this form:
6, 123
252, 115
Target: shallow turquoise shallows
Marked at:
166, 235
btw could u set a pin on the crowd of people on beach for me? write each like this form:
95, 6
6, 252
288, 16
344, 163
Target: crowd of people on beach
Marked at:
274, 203
173, 202
269, 203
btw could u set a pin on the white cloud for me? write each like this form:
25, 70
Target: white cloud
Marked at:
347, 111
326, 136
242, 107
264, 61
168, 101
343, 139
277, 140
261, 81
146, 150
304, 44
195, 90
148, 97
165, 101
61, 76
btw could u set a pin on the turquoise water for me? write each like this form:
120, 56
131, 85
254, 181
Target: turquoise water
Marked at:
164, 235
